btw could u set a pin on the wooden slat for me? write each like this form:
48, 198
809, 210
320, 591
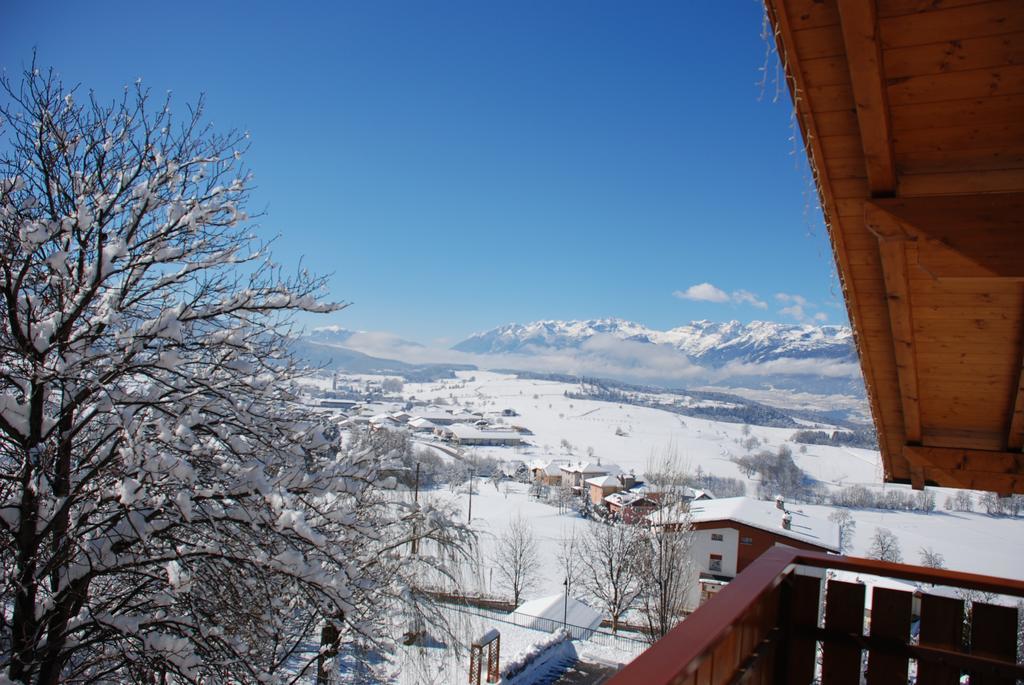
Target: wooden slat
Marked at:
850, 187
993, 634
955, 55
890, 619
844, 611
980, 461
994, 181
959, 85
809, 14
826, 71
841, 146
960, 23
841, 123
864, 55
895, 8
831, 98
978, 481
950, 437
819, 42
1009, 156
848, 167
942, 620
956, 138
954, 312
991, 109
802, 600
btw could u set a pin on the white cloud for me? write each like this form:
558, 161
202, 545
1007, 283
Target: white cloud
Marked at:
706, 292
747, 297
795, 311
800, 309
787, 298
703, 292
830, 368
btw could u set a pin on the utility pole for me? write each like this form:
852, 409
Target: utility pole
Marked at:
416, 510
565, 605
472, 473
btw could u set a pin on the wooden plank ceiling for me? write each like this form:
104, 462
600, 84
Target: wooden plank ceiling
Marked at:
912, 113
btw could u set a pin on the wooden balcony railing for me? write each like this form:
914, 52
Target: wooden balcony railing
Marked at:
766, 626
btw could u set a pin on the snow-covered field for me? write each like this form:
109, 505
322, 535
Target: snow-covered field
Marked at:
973, 542
649, 433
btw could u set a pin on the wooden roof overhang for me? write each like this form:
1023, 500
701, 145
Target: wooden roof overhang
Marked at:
912, 115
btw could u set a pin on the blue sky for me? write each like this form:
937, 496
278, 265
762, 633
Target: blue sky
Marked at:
460, 165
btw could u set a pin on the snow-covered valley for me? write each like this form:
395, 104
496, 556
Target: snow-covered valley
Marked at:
556, 426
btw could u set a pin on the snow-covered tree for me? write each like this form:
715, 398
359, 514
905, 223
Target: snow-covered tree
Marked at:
847, 526
167, 511
569, 562
885, 546
611, 567
517, 558
667, 569
932, 559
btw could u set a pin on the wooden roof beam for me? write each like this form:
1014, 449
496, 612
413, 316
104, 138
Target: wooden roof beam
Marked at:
966, 468
859, 21
892, 247
1015, 437
977, 236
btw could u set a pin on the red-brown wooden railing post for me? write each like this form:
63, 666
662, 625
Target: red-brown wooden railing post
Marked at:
801, 600
890, 620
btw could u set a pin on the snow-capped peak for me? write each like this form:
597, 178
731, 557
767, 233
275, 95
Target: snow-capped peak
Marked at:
708, 343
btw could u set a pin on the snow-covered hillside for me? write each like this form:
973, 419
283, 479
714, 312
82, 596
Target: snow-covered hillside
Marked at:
632, 437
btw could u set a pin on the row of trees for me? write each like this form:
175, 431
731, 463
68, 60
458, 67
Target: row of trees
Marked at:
167, 510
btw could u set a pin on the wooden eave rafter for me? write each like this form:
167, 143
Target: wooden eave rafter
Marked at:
968, 236
991, 229
972, 469
859, 22
976, 236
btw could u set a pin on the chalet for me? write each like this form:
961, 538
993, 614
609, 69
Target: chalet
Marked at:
547, 472
380, 421
629, 506
600, 487
575, 474
421, 425
910, 114
730, 533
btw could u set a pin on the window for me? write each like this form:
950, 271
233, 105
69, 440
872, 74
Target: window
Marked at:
716, 537
746, 541
715, 563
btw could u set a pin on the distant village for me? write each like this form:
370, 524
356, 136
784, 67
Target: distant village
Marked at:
729, 532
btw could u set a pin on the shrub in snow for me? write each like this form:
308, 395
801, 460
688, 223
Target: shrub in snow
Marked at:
167, 512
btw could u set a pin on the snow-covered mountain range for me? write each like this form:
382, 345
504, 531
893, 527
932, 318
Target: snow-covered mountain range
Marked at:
760, 355
706, 343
